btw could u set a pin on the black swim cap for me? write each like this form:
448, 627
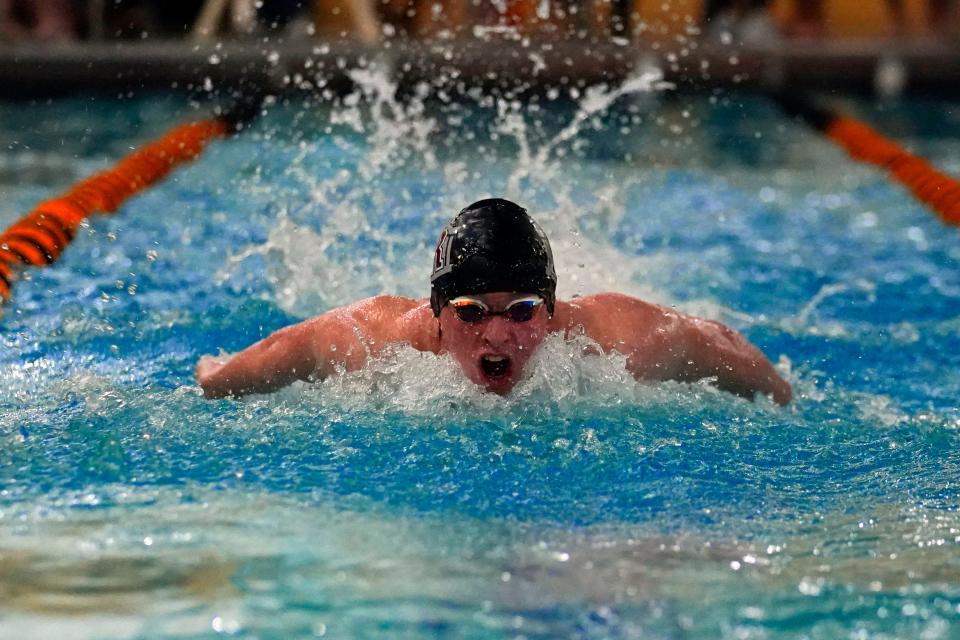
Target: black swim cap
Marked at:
492, 245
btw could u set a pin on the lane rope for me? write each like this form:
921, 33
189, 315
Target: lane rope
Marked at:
936, 189
40, 237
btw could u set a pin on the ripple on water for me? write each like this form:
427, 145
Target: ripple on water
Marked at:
402, 498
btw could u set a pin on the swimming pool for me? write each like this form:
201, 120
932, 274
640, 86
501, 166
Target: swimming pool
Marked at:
401, 502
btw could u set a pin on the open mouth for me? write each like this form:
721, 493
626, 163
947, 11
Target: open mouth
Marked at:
495, 366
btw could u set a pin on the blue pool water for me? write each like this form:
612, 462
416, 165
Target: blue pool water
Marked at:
400, 501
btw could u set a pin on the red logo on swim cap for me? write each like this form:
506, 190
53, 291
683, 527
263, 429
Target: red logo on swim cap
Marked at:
438, 255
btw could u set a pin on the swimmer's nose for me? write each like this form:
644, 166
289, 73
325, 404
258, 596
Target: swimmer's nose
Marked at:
496, 330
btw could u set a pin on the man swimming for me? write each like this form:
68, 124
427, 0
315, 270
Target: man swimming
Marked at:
492, 303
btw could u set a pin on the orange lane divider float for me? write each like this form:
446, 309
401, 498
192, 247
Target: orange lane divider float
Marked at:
931, 186
38, 238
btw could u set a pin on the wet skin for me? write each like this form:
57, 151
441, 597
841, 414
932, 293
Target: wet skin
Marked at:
495, 340
659, 344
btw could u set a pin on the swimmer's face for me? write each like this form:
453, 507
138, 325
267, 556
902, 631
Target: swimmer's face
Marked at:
494, 350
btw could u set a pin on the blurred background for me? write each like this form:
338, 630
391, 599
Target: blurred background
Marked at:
880, 46
744, 21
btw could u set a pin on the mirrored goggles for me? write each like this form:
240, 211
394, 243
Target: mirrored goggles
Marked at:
472, 311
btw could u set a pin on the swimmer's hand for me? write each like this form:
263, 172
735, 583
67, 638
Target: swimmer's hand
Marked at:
266, 366
205, 371
283, 357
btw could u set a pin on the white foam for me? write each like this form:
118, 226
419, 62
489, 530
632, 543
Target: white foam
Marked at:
561, 376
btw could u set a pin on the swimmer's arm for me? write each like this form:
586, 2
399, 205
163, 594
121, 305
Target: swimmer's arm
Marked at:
661, 344
309, 350
713, 350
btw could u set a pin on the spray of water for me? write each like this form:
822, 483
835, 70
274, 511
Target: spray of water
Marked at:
398, 136
311, 271
562, 379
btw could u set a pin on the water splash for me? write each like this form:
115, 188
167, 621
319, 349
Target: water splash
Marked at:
560, 380
310, 273
400, 130
802, 322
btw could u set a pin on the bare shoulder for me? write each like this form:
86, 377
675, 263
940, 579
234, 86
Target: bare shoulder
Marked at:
607, 316
369, 310
384, 306
613, 301
379, 320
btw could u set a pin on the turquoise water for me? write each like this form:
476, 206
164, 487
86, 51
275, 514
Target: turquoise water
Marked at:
400, 501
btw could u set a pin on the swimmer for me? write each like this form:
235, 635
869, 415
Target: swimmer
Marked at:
492, 303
